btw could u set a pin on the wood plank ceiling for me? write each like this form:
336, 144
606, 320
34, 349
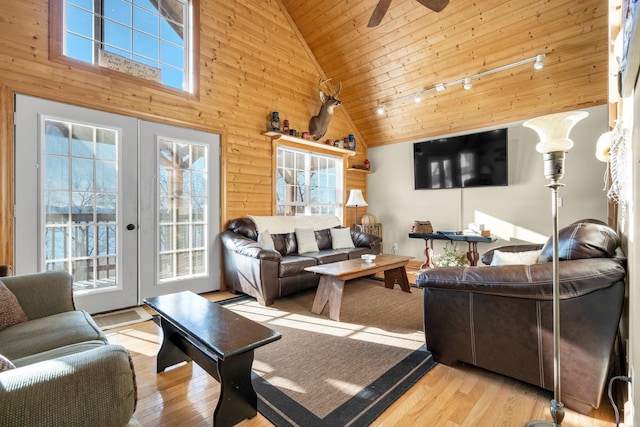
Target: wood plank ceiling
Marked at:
414, 49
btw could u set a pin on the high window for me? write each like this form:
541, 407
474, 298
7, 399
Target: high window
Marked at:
308, 183
145, 38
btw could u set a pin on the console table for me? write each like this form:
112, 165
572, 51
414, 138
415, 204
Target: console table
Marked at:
471, 239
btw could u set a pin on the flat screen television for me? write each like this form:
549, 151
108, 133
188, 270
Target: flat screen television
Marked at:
474, 160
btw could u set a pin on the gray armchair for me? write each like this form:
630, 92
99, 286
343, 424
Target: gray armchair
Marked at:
66, 372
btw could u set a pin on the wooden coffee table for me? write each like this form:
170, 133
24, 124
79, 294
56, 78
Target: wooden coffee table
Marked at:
333, 276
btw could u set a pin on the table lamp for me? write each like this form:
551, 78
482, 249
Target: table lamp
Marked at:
356, 199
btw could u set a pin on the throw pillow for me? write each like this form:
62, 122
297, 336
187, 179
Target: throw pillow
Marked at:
10, 311
341, 238
265, 239
514, 258
306, 240
5, 364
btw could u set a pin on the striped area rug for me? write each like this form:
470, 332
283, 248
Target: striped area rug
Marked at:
328, 373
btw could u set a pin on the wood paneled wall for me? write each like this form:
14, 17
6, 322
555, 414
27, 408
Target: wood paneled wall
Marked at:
252, 61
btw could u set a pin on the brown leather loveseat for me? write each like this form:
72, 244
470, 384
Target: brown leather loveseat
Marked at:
271, 271
500, 317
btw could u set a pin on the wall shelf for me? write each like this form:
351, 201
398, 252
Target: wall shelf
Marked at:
360, 170
305, 143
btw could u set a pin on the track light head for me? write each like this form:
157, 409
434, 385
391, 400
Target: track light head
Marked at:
467, 84
380, 109
418, 98
539, 64
440, 87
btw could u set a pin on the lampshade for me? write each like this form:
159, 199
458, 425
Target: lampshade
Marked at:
356, 199
554, 129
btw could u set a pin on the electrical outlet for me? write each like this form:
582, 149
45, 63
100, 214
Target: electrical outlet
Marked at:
395, 248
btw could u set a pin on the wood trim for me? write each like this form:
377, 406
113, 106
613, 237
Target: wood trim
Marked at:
56, 53
6, 175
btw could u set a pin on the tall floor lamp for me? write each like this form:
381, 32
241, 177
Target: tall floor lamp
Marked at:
553, 131
356, 199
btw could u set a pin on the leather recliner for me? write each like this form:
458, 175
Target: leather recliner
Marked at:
500, 317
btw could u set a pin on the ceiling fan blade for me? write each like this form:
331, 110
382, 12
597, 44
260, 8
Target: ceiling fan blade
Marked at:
378, 13
435, 5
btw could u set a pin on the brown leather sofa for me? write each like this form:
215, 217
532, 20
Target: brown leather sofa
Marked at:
500, 318
267, 274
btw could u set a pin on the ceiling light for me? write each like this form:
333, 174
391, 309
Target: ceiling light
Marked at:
538, 63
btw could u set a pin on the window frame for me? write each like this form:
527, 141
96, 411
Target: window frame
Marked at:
56, 51
307, 204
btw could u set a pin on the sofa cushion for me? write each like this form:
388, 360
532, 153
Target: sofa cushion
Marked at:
264, 238
10, 311
582, 239
323, 238
293, 265
306, 240
341, 238
54, 331
6, 364
285, 243
356, 252
54, 353
328, 256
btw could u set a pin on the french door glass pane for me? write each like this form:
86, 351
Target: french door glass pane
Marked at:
81, 203
182, 209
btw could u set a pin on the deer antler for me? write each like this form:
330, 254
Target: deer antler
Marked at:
330, 91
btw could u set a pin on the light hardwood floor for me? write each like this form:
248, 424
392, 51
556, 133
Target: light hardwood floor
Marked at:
447, 396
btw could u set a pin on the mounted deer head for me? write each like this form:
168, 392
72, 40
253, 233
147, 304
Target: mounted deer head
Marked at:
319, 123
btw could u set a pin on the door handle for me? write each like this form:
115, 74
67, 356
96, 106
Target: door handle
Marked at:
131, 227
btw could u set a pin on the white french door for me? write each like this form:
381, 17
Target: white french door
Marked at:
129, 208
179, 210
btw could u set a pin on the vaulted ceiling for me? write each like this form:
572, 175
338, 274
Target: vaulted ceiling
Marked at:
414, 49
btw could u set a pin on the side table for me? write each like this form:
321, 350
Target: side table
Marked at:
472, 254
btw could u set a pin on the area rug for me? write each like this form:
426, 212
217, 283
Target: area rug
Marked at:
328, 373
119, 318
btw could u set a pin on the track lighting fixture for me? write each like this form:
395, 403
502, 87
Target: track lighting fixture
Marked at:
538, 64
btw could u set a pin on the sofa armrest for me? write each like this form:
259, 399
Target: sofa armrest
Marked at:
94, 388
365, 240
42, 294
577, 277
244, 246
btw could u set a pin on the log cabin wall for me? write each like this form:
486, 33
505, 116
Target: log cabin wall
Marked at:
252, 61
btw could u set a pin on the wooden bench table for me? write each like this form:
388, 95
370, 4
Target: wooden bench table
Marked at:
220, 341
333, 276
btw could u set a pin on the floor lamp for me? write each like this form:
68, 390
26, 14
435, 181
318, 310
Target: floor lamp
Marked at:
553, 131
356, 199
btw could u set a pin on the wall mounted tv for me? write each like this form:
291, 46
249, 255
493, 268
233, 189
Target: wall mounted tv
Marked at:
474, 160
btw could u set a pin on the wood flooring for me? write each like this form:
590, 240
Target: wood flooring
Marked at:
460, 395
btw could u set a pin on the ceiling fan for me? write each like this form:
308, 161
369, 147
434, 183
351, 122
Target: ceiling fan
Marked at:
383, 5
